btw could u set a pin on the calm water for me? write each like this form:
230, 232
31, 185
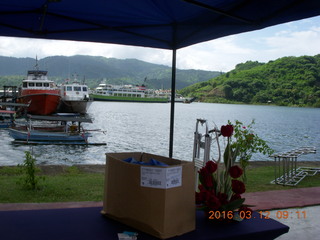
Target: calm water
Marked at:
145, 127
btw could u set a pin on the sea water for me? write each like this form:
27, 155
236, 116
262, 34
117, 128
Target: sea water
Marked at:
145, 127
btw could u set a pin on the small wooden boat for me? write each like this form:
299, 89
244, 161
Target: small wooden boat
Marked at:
42, 128
35, 135
71, 132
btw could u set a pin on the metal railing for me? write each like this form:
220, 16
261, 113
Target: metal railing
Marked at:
286, 164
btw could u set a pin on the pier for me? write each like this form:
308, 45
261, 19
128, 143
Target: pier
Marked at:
9, 94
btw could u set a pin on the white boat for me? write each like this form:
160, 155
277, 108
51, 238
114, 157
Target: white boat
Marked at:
126, 93
74, 98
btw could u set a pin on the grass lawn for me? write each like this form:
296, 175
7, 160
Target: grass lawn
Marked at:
259, 180
75, 185
72, 186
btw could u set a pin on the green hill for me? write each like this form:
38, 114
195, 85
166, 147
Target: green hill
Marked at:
288, 81
95, 69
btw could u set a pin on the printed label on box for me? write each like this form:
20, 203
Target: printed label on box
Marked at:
161, 177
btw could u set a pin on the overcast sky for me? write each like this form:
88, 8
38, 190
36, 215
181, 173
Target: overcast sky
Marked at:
291, 39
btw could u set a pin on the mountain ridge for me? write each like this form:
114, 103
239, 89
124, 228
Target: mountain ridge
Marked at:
96, 68
287, 81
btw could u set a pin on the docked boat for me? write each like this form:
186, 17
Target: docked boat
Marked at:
19, 109
74, 98
7, 118
126, 93
42, 93
70, 132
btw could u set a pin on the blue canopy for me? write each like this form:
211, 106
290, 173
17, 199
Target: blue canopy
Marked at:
166, 24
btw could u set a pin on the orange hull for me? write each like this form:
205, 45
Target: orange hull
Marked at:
41, 102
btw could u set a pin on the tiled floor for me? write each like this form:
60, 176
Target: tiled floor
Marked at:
281, 199
303, 222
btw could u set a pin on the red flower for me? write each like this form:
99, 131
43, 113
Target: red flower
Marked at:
203, 171
213, 203
238, 186
201, 188
226, 130
235, 197
207, 180
211, 166
235, 171
223, 198
203, 195
206, 177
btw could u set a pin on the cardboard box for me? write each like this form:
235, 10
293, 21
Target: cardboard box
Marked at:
156, 200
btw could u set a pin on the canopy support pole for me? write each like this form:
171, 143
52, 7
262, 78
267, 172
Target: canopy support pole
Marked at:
173, 91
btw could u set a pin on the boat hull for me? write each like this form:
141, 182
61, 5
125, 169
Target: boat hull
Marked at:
7, 118
41, 103
97, 97
76, 106
5, 124
48, 136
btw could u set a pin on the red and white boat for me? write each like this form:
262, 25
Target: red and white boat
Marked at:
42, 93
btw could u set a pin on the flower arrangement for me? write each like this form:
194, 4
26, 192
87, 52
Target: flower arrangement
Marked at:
220, 191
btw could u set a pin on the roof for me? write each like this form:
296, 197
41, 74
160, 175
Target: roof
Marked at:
14, 104
60, 118
166, 24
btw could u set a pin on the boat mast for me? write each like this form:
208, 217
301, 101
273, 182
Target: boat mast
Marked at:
36, 67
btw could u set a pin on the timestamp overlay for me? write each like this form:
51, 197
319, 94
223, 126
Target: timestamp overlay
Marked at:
284, 214
303, 222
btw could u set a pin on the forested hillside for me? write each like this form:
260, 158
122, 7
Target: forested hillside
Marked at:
288, 81
94, 69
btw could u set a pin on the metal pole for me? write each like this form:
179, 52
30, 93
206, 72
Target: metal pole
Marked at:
173, 90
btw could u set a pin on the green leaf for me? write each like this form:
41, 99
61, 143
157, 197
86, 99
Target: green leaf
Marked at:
233, 205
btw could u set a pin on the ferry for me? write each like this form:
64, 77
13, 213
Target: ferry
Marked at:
126, 93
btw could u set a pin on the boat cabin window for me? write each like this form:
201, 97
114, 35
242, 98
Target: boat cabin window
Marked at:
84, 89
69, 88
38, 84
46, 84
25, 85
31, 84
77, 89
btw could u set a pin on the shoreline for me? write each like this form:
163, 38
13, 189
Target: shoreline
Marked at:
100, 168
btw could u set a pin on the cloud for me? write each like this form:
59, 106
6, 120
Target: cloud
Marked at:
289, 43
302, 42
220, 55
